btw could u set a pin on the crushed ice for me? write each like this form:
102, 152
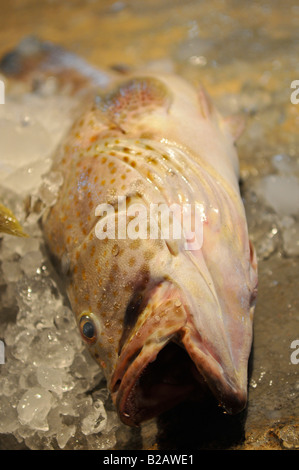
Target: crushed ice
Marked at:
279, 191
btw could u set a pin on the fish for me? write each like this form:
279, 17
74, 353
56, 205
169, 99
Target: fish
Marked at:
165, 318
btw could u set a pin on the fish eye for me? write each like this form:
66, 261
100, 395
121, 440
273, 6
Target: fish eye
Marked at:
87, 329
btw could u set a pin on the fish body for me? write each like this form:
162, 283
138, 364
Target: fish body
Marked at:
164, 321
167, 318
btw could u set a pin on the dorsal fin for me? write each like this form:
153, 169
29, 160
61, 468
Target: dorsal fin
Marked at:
205, 102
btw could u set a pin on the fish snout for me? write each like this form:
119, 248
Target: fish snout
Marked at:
165, 361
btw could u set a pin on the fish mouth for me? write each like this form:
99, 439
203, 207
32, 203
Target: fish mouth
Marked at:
168, 378
165, 362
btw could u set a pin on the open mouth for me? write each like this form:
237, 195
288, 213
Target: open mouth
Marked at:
163, 383
165, 360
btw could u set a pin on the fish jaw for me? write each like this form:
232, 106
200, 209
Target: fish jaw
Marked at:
229, 386
166, 360
161, 321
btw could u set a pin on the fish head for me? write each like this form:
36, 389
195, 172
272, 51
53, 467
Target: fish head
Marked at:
167, 317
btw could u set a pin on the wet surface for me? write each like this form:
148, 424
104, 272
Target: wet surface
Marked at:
246, 55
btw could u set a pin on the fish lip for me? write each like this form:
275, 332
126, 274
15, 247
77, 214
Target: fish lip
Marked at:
229, 387
122, 395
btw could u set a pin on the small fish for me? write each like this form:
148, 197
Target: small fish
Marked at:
165, 322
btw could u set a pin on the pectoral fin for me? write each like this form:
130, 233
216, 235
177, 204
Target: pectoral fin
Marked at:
235, 126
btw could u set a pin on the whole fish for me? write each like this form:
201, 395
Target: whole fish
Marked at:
165, 321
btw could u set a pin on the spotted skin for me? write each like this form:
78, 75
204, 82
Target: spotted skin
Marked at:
155, 139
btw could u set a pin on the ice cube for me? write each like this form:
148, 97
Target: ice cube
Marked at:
8, 416
31, 262
64, 434
95, 419
27, 378
285, 164
64, 319
50, 351
11, 270
20, 246
34, 407
27, 178
21, 145
55, 380
49, 187
291, 239
9, 385
21, 347
281, 193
